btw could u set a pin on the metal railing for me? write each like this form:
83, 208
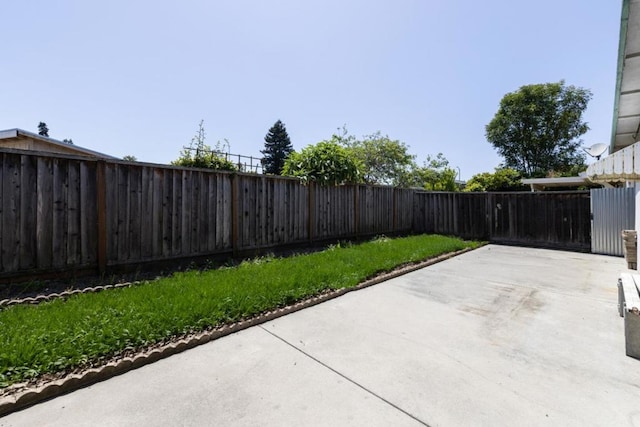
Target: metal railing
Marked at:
248, 164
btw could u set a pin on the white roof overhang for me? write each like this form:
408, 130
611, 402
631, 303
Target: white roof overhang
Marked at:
539, 184
624, 163
626, 114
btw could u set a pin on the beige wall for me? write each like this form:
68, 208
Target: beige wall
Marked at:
23, 143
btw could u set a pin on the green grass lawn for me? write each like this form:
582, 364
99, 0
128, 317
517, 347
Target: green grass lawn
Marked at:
86, 328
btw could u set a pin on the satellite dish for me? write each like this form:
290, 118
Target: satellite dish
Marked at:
596, 150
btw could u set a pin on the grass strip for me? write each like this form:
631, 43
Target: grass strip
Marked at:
87, 328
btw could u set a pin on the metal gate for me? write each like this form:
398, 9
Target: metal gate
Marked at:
612, 210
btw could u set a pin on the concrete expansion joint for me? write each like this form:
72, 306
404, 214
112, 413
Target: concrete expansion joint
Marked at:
343, 376
18, 397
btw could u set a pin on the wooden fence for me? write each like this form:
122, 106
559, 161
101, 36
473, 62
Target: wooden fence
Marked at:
61, 213
48, 213
553, 219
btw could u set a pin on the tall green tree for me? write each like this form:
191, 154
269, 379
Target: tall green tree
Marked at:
277, 146
384, 160
434, 175
43, 129
537, 128
503, 179
327, 163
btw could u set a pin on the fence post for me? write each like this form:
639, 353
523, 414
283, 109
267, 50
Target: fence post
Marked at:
101, 207
234, 213
356, 211
489, 216
456, 218
414, 206
394, 214
311, 210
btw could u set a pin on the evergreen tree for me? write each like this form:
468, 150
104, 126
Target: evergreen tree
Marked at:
277, 147
43, 129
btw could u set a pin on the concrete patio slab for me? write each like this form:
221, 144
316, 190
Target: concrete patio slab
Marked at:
498, 336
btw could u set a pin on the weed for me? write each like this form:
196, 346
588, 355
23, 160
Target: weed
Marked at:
381, 239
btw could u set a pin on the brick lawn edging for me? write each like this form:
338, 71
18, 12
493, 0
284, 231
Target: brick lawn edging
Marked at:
23, 398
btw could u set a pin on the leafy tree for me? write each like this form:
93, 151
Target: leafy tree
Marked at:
43, 129
343, 137
434, 175
277, 146
537, 128
200, 155
503, 179
327, 163
130, 158
374, 159
385, 161
574, 170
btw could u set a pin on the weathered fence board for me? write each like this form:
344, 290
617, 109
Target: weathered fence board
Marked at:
10, 212
375, 210
157, 213
88, 214
271, 212
332, 213
404, 210
62, 212
60, 203
546, 219
28, 203
44, 214
558, 219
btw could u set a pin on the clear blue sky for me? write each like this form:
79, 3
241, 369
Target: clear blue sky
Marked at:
136, 77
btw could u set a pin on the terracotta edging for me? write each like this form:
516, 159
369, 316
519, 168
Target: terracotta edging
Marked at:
65, 294
72, 382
